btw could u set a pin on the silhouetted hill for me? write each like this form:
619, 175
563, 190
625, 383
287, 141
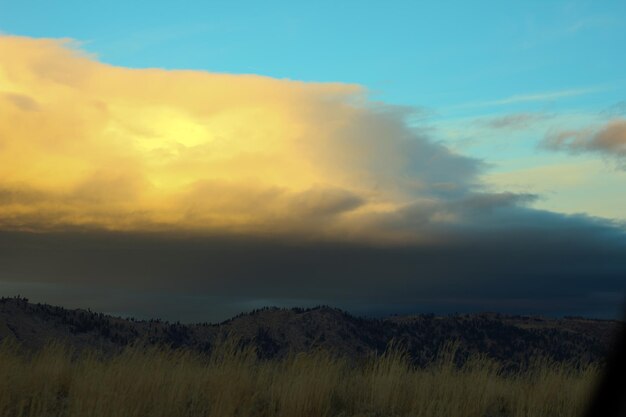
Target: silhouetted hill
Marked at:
513, 340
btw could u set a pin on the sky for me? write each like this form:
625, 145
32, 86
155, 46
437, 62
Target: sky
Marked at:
194, 160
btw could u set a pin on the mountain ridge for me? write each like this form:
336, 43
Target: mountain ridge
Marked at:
512, 340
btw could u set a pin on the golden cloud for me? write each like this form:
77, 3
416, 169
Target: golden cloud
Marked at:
85, 144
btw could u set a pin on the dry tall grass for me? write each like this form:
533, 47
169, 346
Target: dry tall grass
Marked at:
232, 382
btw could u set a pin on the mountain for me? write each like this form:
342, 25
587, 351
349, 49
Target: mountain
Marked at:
512, 340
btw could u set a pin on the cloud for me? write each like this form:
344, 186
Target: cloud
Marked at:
608, 140
543, 96
510, 259
514, 121
615, 110
22, 102
89, 145
243, 190
532, 97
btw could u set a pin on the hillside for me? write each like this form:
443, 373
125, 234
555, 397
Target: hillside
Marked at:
512, 340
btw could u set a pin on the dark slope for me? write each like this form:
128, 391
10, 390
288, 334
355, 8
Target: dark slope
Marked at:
512, 340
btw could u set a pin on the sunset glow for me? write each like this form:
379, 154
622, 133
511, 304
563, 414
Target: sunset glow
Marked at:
91, 144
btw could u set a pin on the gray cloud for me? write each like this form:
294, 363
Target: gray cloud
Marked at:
514, 121
608, 140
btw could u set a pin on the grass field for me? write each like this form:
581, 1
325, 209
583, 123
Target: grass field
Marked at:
56, 381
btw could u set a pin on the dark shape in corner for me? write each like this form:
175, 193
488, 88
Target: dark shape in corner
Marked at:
610, 397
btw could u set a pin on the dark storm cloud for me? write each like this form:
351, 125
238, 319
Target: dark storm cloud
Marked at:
535, 262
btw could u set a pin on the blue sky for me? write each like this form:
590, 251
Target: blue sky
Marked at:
455, 57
